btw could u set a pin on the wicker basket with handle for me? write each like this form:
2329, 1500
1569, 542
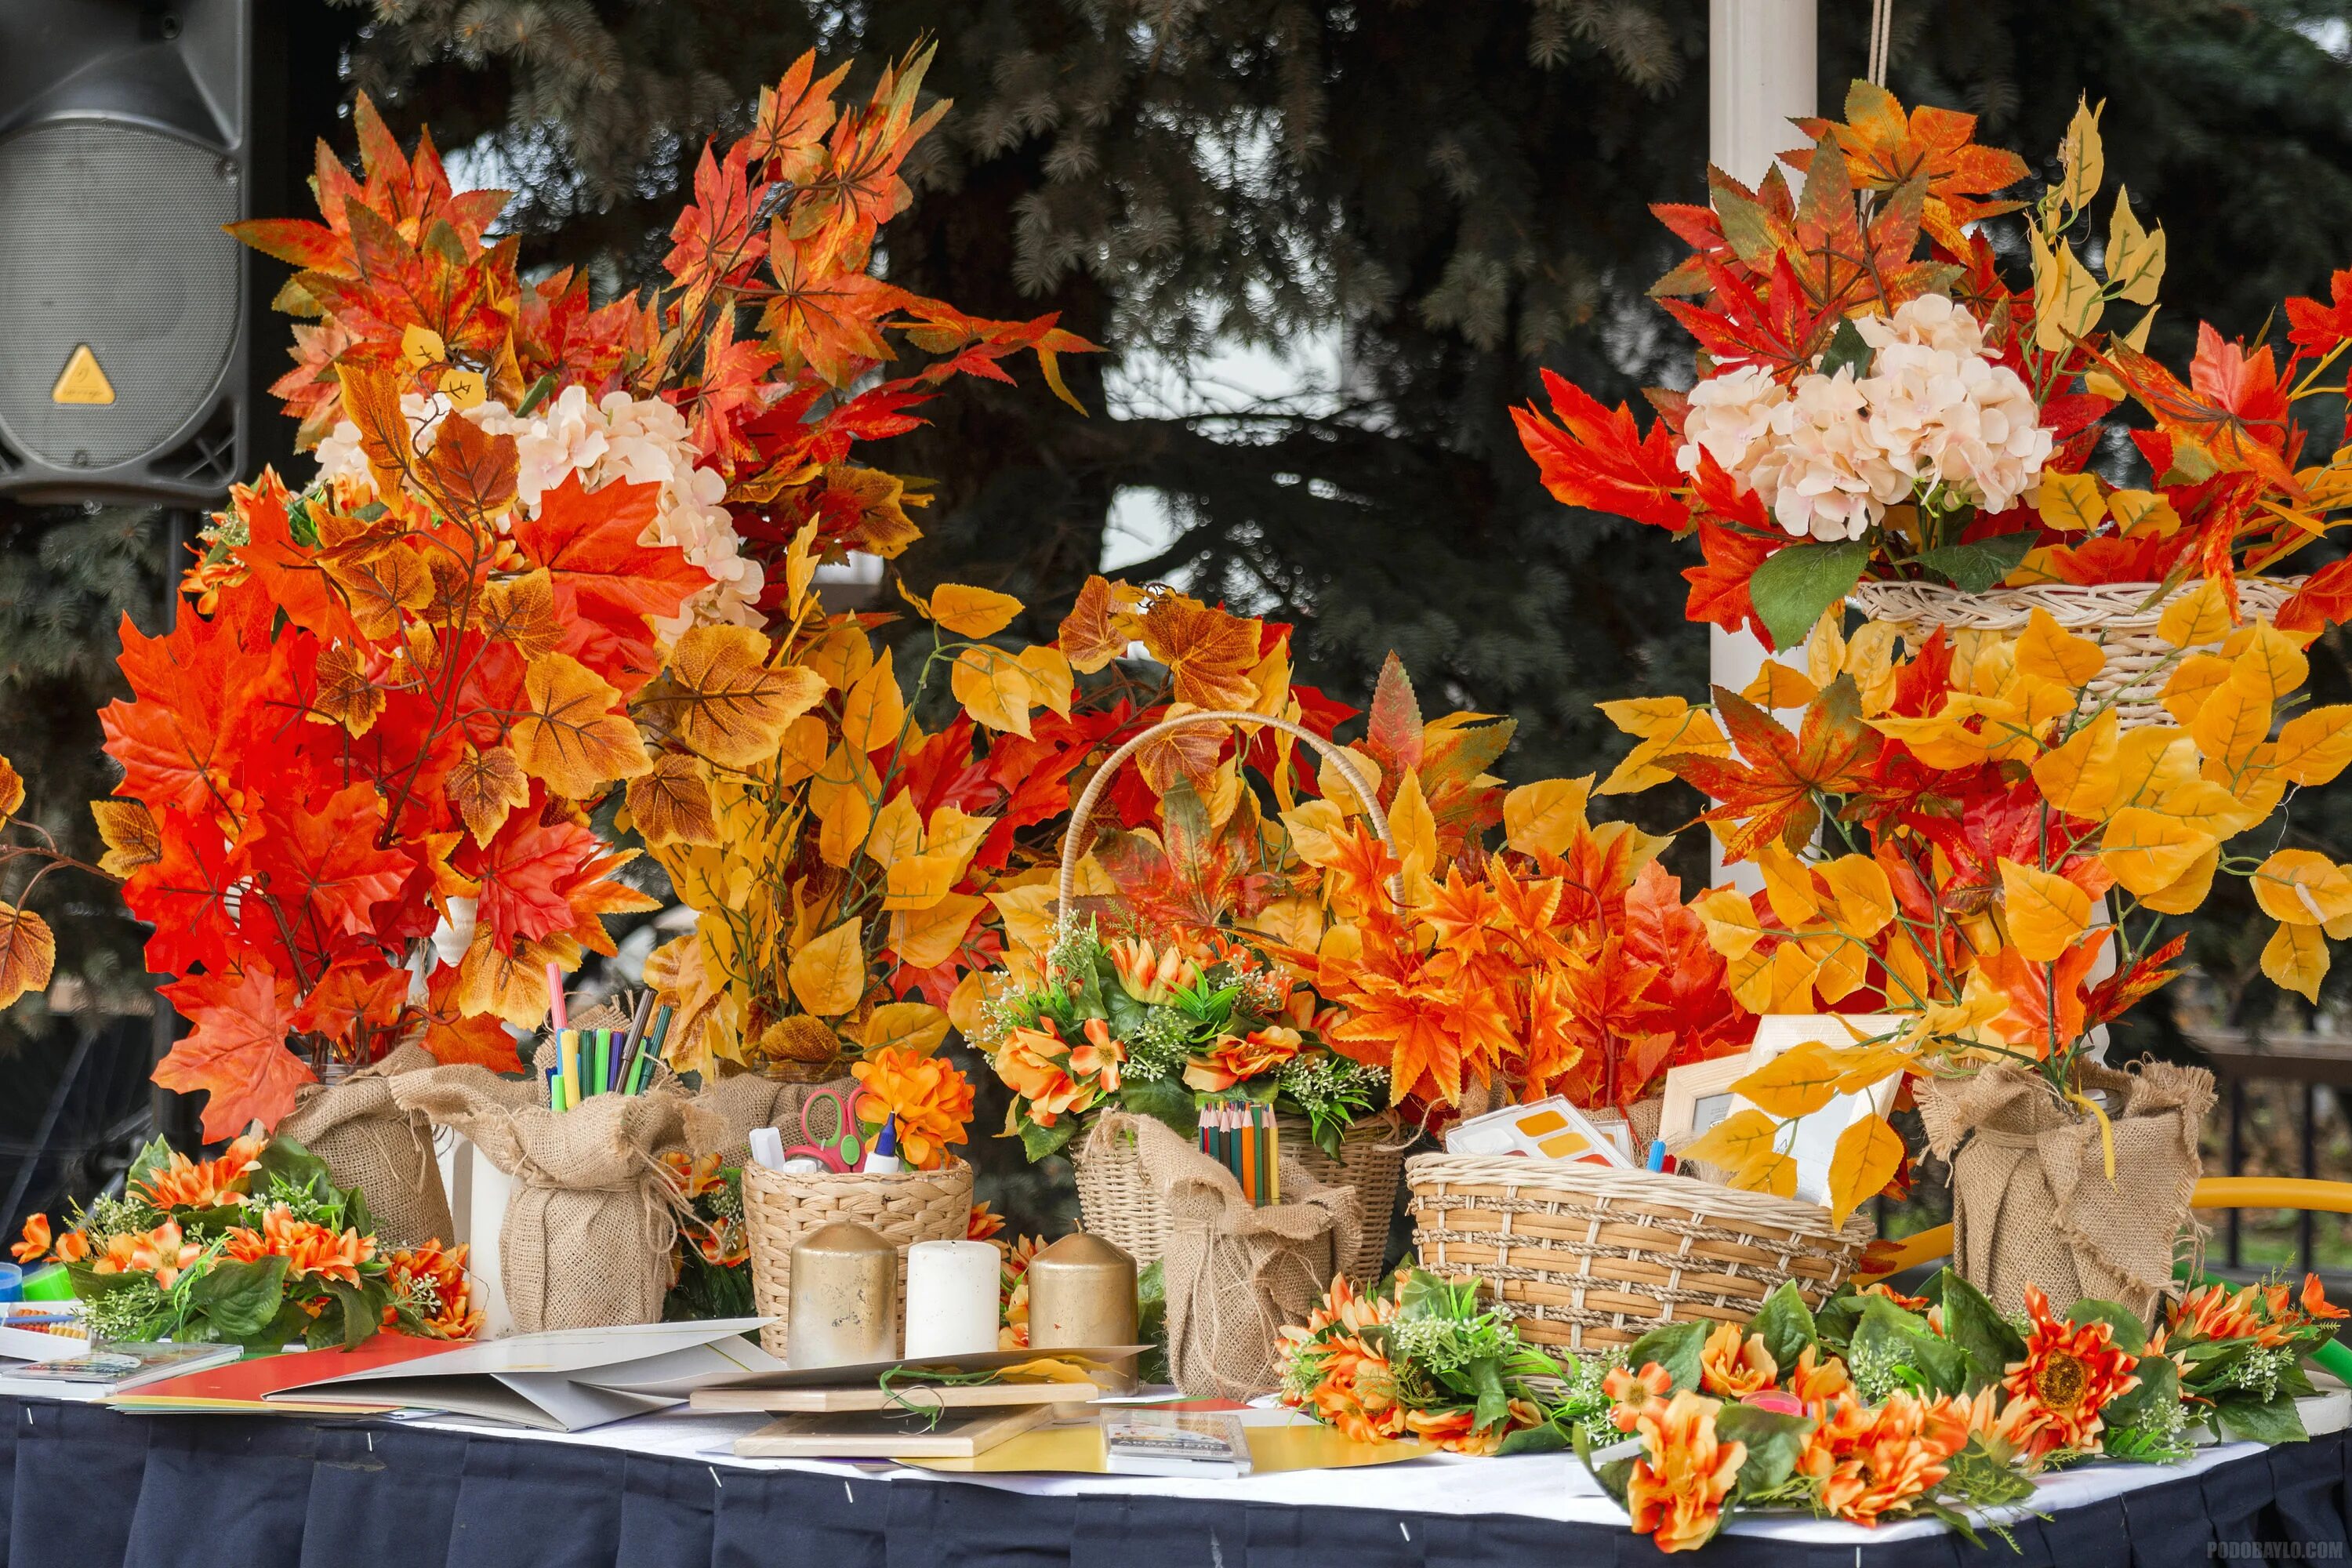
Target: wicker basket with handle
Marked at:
1116, 1201
2120, 617
1588, 1258
903, 1206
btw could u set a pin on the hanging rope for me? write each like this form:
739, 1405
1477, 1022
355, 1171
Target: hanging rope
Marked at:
1882, 37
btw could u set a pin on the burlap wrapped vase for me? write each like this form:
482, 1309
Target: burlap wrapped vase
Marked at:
1235, 1273
2031, 1203
587, 1234
370, 1142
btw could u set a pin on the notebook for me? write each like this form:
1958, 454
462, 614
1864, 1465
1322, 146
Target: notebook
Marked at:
89, 1377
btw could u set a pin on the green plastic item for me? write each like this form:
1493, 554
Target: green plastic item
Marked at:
51, 1283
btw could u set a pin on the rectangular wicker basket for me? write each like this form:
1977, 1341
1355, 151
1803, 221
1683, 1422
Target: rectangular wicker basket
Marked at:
1588, 1258
904, 1207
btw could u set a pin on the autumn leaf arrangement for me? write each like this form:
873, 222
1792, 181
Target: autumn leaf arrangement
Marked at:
256, 1248
1967, 838
1875, 399
1878, 1406
360, 770
712, 1263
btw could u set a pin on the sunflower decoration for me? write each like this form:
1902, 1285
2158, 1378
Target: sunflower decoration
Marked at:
2069, 1372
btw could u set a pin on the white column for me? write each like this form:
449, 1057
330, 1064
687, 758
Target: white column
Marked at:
1760, 76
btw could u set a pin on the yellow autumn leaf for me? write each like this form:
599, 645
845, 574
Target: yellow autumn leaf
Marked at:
2070, 502
2271, 666
2301, 887
1863, 1066
919, 881
2186, 893
2048, 651
915, 1026
2135, 257
1027, 916
897, 832
2147, 850
1295, 922
1795, 1083
1868, 1154
828, 976
2296, 959
972, 611
2082, 156
1766, 1171
1546, 815
925, 938
1051, 685
722, 698
1783, 983
2199, 616
956, 835
1778, 686
2234, 719
843, 798
872, 711
1733, 1141
1334, 784
2316, 745
572, 736
1788, 885
1414, 827
1865, 900
2134, 509
2079, 777
1732, 927
28, 953
1647, 717
2192, 680
993, 688
2046, 912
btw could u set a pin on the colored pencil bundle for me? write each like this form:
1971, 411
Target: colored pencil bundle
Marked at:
582, 1062
1242, 1136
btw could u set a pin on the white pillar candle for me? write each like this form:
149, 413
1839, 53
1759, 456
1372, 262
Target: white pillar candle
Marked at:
950, 1297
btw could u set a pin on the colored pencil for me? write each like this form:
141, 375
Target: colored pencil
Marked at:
649, 1052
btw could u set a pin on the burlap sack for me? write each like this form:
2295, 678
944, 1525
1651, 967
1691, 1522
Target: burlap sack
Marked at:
585, 1241
371, 1143
2031, 1199
1235, 1273
740, 1101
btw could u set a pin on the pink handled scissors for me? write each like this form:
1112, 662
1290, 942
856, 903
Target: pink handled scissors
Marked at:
831, 1138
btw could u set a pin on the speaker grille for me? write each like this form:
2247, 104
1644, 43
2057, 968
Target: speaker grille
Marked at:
113, 238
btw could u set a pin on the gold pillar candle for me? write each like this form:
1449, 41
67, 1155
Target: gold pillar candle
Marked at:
1082, 1293
845, 1299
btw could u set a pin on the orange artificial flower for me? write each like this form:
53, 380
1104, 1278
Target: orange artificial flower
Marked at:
434, 1276
691, 1176
2069, 1372
2315, 1304
162, 1252
1730, 1367
1012, 1293
1909, 1303
36, 1245
1099, 1058
1676, 1491
1032, 1064
1231, 1060
982, 1222
1634, 1394
1818, 1385
73, 1247
1152, 976
182, 1182
1993, 1418
2216, 1313
308, 1246
929, 1099
1868, 1459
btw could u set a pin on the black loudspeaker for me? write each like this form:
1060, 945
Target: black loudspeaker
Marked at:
126, 141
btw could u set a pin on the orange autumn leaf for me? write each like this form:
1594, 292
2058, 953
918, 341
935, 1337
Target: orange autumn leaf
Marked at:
1209, 653
485, 786
670, 803
11, 791
29, 953
1096, 630
129, 831
1868, 1154
721, 698
970, 611
828, 976
236, 1049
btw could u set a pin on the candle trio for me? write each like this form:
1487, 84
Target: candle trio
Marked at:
586, 1062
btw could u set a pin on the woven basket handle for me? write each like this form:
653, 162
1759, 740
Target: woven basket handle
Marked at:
1080, 839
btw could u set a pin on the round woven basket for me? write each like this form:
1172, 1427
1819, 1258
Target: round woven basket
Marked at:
1115, 1201
1119, 1203
2121, 617
1588, 1258
904, 1207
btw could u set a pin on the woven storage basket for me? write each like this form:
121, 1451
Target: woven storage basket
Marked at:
905, 1207
1588, 1258
1115, 1202
2121, 617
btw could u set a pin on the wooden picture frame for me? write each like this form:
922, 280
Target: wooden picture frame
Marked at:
1698, 1095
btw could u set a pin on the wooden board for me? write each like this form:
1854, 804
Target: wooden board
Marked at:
869, 1396
867, 1435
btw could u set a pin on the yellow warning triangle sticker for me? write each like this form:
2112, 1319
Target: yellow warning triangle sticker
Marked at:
83, 380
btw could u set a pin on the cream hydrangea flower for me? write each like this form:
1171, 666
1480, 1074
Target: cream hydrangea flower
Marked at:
1821, 472
640, 441
1729, 418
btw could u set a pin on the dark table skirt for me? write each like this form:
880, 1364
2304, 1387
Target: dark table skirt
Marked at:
91, 1486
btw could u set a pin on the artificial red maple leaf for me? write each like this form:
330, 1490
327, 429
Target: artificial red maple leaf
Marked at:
2324, 600
176, 739
1663, 935
1884, 152
2314, 328
2029, 1023
1768, 789
2233, 411
454, 1039
318, 862
733, 382
1399, 1021
714, 238
237, 1049
535, 877
2120, 992
356, 991
1595, 458
604, 579
826, 314
186, 895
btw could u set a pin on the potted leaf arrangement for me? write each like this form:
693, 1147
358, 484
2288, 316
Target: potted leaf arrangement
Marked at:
1988, 801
